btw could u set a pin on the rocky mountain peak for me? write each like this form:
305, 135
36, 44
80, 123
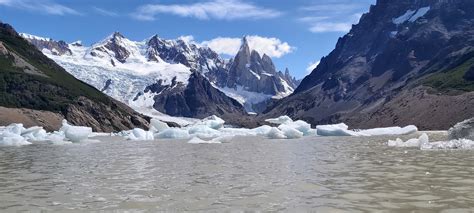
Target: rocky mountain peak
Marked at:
57, 48
115, 46
117, 35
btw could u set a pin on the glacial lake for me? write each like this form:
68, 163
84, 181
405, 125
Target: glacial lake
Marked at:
310, 174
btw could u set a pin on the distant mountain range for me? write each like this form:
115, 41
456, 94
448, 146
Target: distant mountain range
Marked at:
164, 74
406, 62
35, 90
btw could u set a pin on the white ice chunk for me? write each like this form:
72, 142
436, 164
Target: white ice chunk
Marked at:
204, 131
12, 139
280, 120
262, 130
275, 133
157, 125
16, 129
75, 133
213, 122
35, 133
414, 142
173, 133
335, 130
452, 144
290, 132
390, 131
56, 138
138, 134
299, 125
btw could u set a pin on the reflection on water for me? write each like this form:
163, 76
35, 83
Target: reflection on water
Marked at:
247, 174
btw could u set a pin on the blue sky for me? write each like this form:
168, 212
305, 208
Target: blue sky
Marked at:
295, 33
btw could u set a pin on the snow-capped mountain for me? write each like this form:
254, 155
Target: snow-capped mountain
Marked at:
154, 72
253, 78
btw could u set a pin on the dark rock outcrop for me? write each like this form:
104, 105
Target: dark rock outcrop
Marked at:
197, 99
386, 58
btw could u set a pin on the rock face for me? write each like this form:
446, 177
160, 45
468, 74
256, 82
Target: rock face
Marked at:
399, 49
198, 99
257, 73
461, 130
32, 82
201, 59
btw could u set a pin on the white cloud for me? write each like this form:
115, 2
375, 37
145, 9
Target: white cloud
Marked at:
226, 46
47, 7
105, 12
41, 6
322, 27
187, 38
312, 66
338, 16
213, 9
272, 47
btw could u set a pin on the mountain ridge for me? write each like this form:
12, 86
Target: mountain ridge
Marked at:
147, 62
392, 54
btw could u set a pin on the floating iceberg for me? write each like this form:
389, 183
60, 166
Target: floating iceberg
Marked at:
390, 131
300, 126
290, 132
213, 122
75, 133
204, 131
157, 125
280, 120
12, 139
451, 144
262, 130
415, 142
343, 130
138, 134
173, 133
336, 130
35, 133
275, 133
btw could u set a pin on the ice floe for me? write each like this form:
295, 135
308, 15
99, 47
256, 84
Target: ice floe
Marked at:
343, 130
423, 143
208, 130
459, 137
138, 134
75, 133
415, 142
